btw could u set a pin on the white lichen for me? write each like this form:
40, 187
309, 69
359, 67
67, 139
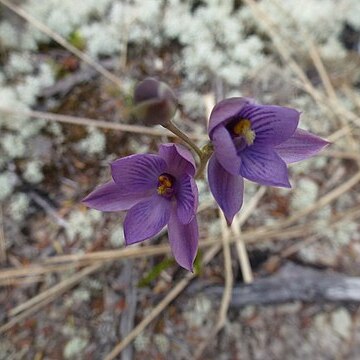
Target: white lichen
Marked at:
198, 315
193, 103
142, 342
94, 143
12, 145
101, 39
19, 64
305, 194
117, 236
74, 347
81, 295
341, 322
7, 184
162, 342
82, 224
8, 35
18, 206
33, 172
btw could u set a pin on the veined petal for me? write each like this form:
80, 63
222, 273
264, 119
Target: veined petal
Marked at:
272, 124
178, 159
110, 197
138, 173
183, 240
264, 166
226, 110
226, 188
146, 219
300, 146
225, 150
187, 199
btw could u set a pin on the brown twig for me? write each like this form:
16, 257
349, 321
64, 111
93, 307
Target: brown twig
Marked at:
137, 129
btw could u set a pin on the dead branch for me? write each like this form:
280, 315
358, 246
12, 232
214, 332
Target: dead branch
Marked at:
294, 283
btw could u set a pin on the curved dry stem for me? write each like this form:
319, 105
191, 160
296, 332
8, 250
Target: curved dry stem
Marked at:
175, 130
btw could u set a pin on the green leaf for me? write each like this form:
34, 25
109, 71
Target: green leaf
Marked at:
155, 272
77, 40
198, 262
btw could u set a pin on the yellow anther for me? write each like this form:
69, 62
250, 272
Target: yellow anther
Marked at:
161, 190
243, 128
165, 181
164, 185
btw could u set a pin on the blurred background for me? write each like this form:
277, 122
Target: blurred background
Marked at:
69, 288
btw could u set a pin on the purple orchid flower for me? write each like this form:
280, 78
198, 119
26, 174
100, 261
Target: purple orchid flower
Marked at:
156, 190
255, 142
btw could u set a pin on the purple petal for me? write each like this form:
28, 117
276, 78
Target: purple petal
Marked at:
225, 150
264, 166
146, 219
272, 124
187, 199
300, 146
138, 173
110, 197
226, 188
178, 159
225, 110
183, 240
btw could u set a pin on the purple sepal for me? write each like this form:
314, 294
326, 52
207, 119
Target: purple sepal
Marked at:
226, 188
110, 197
300, 146
146, 219
183, 240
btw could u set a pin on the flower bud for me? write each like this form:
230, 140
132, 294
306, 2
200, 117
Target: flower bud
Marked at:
155, 103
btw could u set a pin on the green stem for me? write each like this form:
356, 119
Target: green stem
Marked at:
206, 152
175, 130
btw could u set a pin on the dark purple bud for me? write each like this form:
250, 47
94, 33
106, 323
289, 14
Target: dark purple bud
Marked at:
155, 103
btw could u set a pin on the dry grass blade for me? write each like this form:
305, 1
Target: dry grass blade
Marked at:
62, 41
75, 120
326, 199
55, 290
342, 154
158, 309
229, 282
239, 242
320, 67
2, 238
338, 134
275, 260
22, 281
137, 129
243, 255
332, 108
18, 318
264, 234
351, 94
